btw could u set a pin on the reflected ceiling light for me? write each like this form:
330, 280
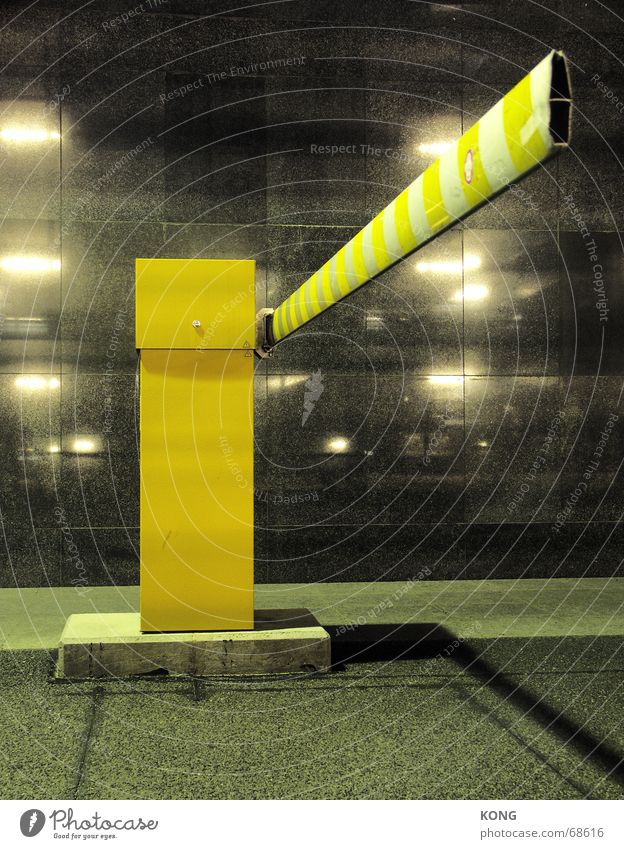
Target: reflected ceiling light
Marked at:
294, 380
54, 449
527, 291
435, 148
445, 378
277, 382
84, 445
18, 327
483, 443
28, 134
375, 323
338, 444
29, 263
450, 266
472, 292
36, 381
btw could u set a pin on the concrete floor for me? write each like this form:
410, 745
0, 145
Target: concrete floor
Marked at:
520, 697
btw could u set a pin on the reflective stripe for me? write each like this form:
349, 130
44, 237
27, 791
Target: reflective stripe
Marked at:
417, 215
367, 249
497, 162
405, 235
451, 181
517, 113
359, 263
326, 296
436, 213
380, 251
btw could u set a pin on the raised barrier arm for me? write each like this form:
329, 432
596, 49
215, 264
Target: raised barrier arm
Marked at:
528, 126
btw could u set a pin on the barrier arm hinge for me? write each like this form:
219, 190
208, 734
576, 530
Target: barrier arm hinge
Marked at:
264, 335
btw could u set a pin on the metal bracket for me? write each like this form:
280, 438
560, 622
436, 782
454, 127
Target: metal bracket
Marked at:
263, 348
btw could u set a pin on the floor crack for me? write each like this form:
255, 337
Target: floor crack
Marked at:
94, 711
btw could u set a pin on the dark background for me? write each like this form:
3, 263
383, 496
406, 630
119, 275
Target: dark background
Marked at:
429, 467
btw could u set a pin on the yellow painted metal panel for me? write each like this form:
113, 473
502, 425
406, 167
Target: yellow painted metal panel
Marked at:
172, 294
196, 490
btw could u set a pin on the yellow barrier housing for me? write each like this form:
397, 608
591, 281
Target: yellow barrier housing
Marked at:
195, 328
528, 126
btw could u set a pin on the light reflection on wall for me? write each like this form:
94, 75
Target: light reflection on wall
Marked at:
435, 148
36, 382
338, 445
20, 328
286, 381
86, 445
22, 134
19, 264
472, 292
445, 379
443, 266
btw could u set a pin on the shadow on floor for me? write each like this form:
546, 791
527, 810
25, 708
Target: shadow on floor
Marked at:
569, 732
371, 643
368, 643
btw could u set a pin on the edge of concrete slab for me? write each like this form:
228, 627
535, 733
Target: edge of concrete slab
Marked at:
111, 645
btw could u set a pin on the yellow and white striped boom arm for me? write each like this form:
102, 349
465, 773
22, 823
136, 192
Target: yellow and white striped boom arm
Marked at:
528, 126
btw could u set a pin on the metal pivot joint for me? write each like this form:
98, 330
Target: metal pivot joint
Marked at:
264, 333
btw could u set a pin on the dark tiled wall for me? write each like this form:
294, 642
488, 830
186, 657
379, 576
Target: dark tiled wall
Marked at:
463, 398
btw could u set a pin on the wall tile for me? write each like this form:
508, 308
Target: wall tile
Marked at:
415, 435
215, 145
590, 171
30, 34
417, 53
98, 333
99, 557
30, 448
100, 473
315, 167
592, 480
518, 550
30, 295
335, 341
487, 59
511, 302
30, 557
512, 449
406, 127
113, 149
326, 482
30, 142
591, 316
414, 319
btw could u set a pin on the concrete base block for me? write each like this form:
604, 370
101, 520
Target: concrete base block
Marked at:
105, 645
